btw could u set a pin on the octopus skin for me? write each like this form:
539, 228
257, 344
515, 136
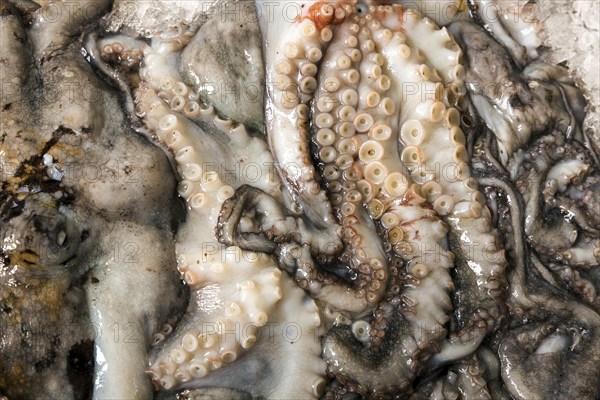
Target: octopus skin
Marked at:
236, 91
556, 339
557, 346
74, 234
515, 25
466, 378
525, 111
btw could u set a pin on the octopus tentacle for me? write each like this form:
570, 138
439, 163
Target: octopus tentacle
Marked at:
291, 63
428, 283
204, 262
200, 343
545, 340
235, 228
256, 221
442, 54
343, 93
584, 195
465, 377
585, 254
567, 239
454, 193
391, 368
364, 277
121, 50
244, 302
177, 109
423, 118
572, 277
367, 273
401, 209
290, 334
557, 344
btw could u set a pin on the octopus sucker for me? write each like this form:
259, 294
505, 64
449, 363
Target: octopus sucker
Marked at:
334, 199
467, 377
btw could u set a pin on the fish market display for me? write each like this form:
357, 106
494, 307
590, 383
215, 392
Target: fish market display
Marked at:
291, 200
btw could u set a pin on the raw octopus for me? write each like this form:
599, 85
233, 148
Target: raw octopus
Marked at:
361, 199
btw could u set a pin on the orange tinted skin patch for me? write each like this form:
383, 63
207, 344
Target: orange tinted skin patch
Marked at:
322, 13
398, 10
407, 198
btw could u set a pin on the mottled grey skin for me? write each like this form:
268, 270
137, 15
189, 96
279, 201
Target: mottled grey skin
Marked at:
230, 77
549, 229
87, 258
569, 371
513, 106
389, 369
535, 297
535, 116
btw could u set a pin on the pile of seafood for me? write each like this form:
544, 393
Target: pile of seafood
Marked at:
336, 199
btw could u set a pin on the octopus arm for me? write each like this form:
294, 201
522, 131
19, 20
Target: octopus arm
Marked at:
432, 146
560, 347
255, 220
436, 159
392, 368
125, 316
465, 377
363, 272
515, 25
265, 370
49, 37
291, 60
367, 273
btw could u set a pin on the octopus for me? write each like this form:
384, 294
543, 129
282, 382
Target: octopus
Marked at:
75, 248
321, 199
